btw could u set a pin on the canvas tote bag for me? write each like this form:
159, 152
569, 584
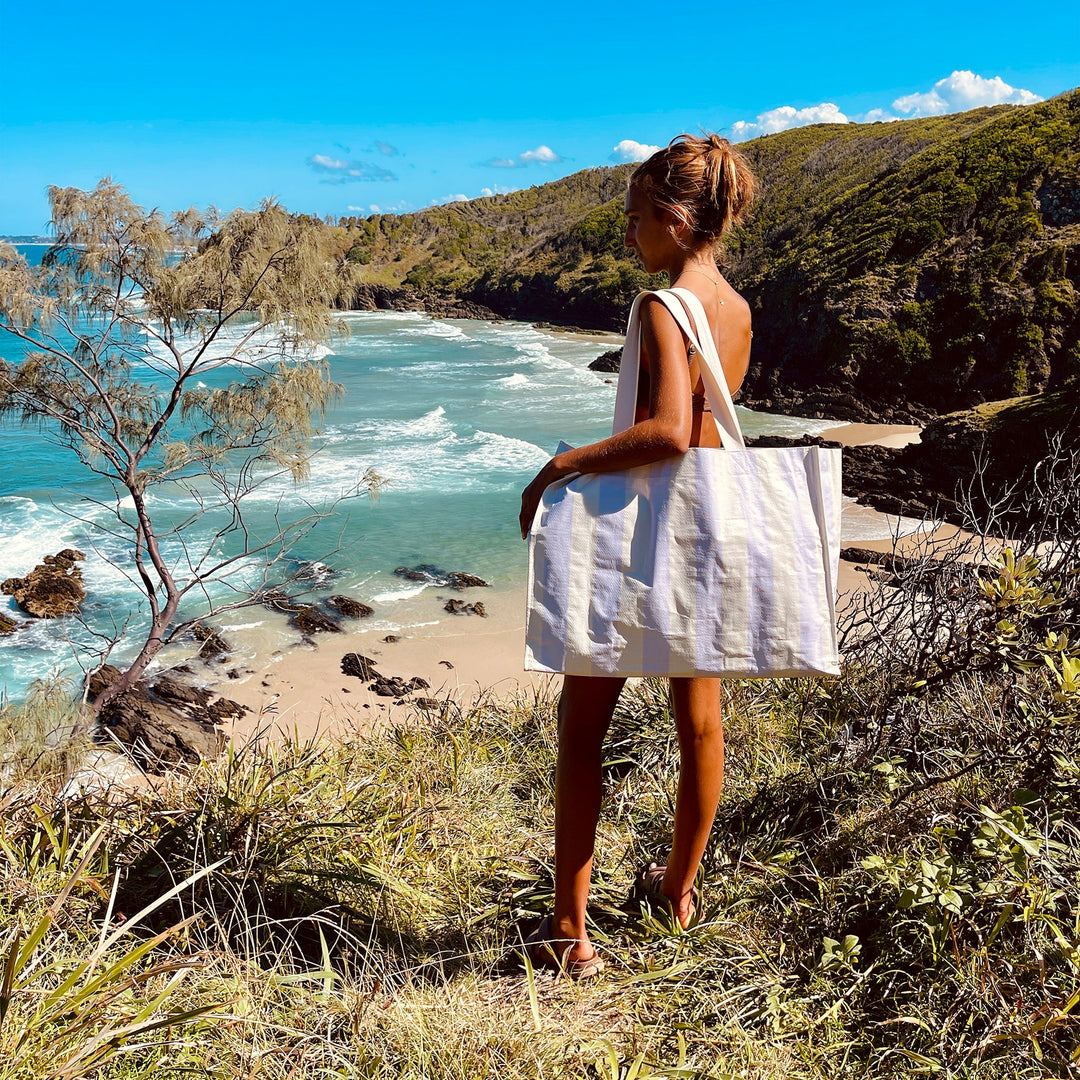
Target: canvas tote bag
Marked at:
717, 562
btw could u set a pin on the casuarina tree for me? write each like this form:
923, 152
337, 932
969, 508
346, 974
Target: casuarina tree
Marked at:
176, 353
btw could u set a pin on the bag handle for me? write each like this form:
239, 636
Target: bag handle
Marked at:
682, 303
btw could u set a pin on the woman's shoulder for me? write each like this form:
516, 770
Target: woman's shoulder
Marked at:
653, 304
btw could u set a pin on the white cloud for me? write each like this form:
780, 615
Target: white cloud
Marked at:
322, 161
629, 150
448, 199
340, 171
542, 155
960, 91
399, 208
875, 115
498, 189
387, 149
787, 116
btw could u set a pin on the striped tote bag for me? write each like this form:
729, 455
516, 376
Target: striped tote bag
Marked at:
718, 562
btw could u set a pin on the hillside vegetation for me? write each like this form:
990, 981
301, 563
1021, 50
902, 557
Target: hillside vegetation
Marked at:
918, 266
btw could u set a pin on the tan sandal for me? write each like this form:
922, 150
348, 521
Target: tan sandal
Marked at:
540, 948
649, 882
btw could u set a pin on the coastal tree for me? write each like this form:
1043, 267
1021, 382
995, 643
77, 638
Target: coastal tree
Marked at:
175, 355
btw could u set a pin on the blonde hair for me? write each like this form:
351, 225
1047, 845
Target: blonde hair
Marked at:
701, 180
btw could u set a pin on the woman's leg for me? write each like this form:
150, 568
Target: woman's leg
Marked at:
585, 709
701, 777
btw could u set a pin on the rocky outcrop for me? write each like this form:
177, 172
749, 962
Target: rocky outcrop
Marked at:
305, 617
310, 620
459, 607
350, 608
358, 665
213, 644
54, 588
833, 403
371, 297
458, 580
999, 442
165, 722
433, 575
607, 362
364, 667
7, 626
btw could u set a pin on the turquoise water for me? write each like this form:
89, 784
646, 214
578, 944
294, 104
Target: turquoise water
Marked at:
455, 416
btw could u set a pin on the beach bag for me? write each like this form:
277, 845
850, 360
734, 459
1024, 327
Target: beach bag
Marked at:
716, 562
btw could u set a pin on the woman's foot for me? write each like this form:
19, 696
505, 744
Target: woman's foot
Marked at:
569, 956
650, 882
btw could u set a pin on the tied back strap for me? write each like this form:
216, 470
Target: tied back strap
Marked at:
679, 302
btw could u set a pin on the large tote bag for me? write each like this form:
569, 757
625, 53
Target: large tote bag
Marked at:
718, 562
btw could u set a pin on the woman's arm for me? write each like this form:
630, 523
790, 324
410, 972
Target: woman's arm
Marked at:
665, 433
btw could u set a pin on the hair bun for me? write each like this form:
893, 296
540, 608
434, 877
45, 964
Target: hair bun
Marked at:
703, 180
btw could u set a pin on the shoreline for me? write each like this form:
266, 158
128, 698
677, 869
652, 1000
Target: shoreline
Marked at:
301, 689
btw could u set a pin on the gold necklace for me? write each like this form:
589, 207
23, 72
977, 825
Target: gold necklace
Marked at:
715, 281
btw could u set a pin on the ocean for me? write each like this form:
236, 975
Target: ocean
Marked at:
454, 416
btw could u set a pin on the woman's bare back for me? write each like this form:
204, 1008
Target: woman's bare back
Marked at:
729, 322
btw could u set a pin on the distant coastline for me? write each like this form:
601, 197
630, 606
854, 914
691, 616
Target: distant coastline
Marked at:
48, 240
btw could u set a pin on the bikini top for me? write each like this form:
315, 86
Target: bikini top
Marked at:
699, 403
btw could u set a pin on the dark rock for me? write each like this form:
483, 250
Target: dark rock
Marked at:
363, 667
279, 600
774, 441
311, 620
433, 575
313, 574
827, 403
459, 607
446, 664
350, 608
68, 556
887, 560
234, 673
416, 683
423, 572
459, 580
372, 297
395, 687
430, 703
391, 638
608, 362
52, 589
213, 643
165, 722
7, 626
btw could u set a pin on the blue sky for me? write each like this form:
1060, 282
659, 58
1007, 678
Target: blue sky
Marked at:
338, 108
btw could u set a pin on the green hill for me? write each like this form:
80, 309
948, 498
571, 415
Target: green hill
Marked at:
923, 265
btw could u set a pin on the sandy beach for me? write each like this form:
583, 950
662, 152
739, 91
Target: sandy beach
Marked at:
301, 689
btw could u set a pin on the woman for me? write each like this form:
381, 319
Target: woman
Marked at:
678, 204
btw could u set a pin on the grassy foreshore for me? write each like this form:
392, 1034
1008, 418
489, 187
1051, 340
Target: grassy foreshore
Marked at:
890, 890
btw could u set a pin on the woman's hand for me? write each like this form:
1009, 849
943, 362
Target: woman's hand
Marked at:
531, 496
